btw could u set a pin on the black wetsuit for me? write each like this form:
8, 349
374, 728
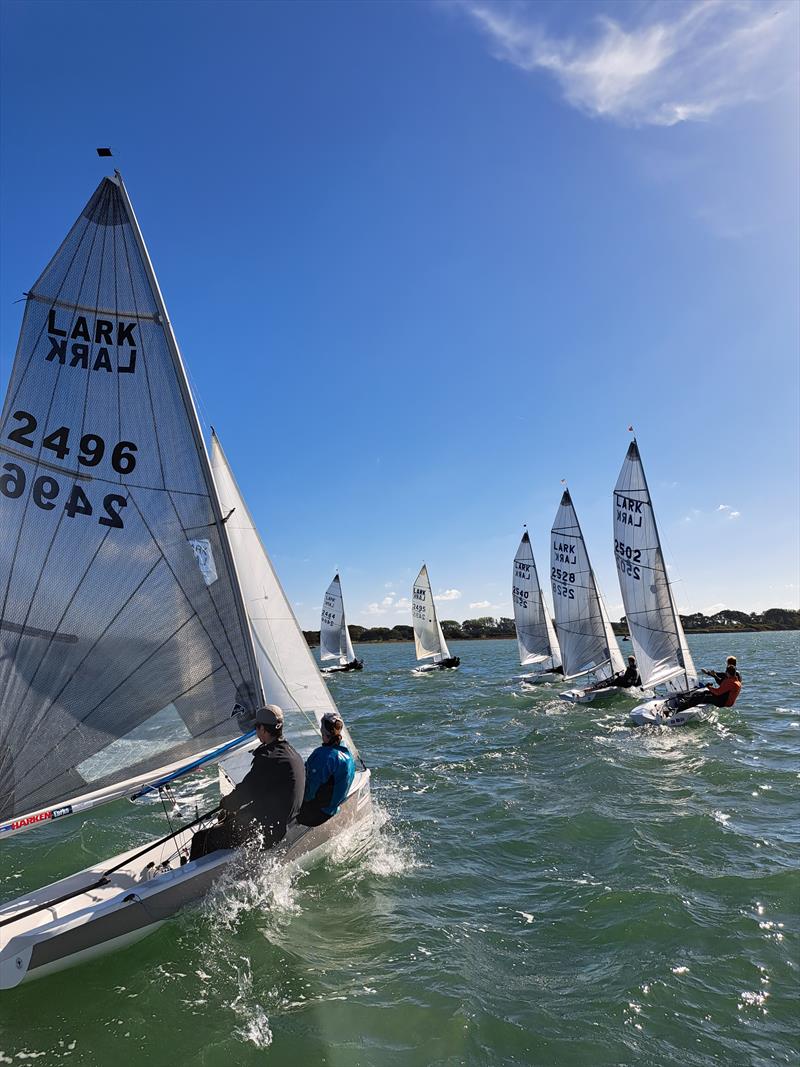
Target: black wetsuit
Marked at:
628, 679
267, 799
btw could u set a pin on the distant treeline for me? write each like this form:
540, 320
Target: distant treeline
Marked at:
724, 622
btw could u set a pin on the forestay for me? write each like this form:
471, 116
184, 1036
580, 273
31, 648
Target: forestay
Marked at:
334, 637
428, 637
584, 630
655, 627
289, 674
535, 634
123, 640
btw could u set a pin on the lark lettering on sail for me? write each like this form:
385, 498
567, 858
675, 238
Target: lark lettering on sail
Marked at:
429, 642
536, 638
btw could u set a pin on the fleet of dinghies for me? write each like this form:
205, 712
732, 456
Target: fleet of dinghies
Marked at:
141, 621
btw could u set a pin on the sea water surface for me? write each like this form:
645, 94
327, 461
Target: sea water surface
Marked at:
545, 885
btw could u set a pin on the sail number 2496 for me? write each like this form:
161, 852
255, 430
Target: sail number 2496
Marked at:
46, 491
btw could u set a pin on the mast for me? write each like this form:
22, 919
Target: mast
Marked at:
194, 422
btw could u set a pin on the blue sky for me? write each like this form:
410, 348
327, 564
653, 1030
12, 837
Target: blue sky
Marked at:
426, 259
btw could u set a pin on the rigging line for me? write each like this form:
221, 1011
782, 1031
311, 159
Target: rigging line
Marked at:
29, 497
104, 878
177, 696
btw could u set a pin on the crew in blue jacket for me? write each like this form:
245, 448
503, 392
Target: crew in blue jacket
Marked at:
330, 770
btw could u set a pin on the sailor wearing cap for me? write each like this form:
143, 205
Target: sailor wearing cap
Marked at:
268, 797
330, 770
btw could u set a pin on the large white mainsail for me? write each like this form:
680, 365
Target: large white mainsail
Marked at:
662, 653
584, 630
429, 640
124, 643
334, 637
289, 673
536, 637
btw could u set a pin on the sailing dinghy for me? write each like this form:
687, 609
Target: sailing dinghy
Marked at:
334, 637
429, 640
141, 625
662, 653
585, 636
536, 638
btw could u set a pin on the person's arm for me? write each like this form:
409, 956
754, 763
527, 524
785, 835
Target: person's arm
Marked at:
723, 689
343, 774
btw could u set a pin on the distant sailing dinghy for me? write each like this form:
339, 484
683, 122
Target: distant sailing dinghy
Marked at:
585, 636
659, 642
141, 624
538, 644
334, 637
429, 640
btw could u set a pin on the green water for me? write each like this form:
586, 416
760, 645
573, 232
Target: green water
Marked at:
546, 886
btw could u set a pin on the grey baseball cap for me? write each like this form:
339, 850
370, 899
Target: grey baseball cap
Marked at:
270, 715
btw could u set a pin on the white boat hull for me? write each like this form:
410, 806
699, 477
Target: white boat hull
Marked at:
135, 901
658, 713
609, 692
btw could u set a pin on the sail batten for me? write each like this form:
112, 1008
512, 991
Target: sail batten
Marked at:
536, 637
120, 606
584, 630
662, 652
429, 640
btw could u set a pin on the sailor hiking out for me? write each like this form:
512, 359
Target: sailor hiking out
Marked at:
719, 676
330, 770
626, 679
267, 799
724, 695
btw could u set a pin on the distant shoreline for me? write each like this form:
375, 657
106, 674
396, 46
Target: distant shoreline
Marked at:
774, 620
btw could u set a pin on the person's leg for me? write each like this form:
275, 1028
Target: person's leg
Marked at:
214, 838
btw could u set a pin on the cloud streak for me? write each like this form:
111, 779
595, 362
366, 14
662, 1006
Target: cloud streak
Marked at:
672, 62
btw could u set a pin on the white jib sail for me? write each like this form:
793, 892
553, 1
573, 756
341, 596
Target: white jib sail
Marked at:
585, 635
535, 634
334, 637
428, 637
289, 673
652, 615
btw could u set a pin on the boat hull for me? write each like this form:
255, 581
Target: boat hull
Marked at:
356, 665
609, 692
139, 897
658, 713
446, 665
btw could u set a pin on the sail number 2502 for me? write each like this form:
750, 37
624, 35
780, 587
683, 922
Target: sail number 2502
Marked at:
627, 560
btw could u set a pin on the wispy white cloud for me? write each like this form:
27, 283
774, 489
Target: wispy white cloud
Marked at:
729, 511
402, 605
480, 604
671, 62
449, 594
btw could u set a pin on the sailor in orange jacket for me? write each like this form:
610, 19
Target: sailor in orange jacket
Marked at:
723, 695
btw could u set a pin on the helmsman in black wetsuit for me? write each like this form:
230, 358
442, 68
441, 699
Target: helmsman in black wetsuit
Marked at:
623, 680
267, 799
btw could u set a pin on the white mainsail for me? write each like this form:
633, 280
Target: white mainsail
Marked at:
536, 637
334, 637
124, 642
289, 673
662, 653
428, 637
584, 630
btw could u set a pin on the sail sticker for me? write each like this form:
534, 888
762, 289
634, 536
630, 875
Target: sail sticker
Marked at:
205, 559
40, 816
